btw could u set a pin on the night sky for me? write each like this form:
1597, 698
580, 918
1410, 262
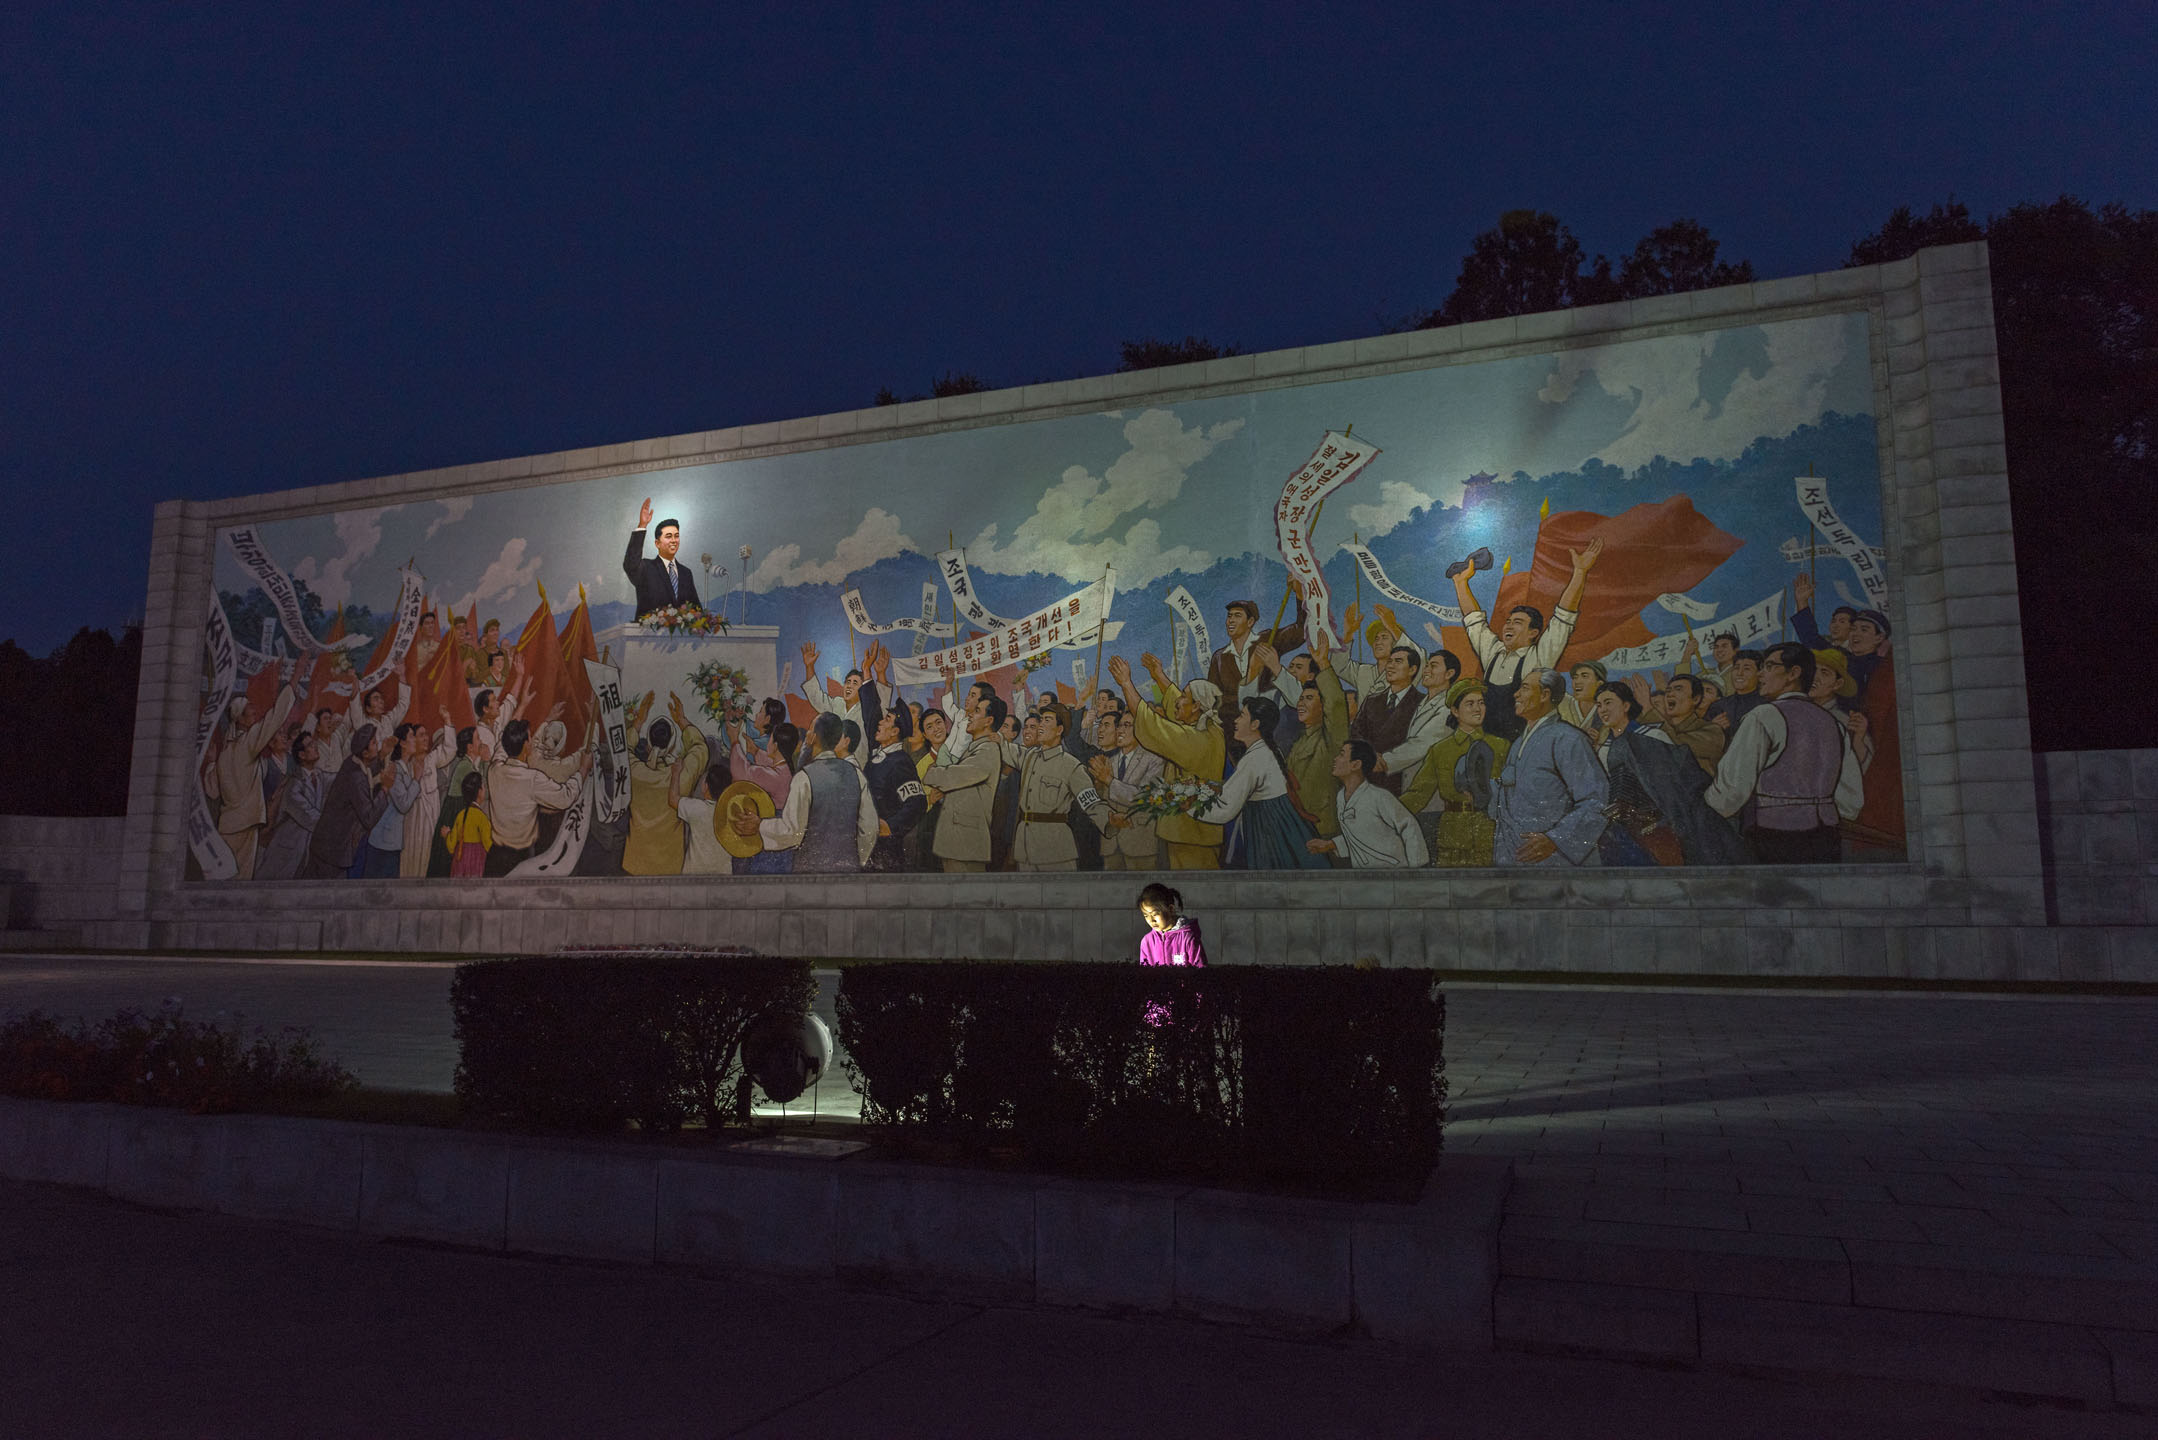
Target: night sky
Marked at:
246, 248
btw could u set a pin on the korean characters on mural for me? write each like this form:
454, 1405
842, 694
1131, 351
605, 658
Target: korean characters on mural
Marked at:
1621, 606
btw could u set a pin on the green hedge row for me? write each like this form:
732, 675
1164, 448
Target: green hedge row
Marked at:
1324, 1074
594, 1042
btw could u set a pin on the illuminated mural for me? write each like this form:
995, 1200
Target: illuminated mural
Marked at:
1616, 606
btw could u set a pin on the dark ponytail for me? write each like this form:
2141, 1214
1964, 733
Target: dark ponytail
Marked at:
1161, 897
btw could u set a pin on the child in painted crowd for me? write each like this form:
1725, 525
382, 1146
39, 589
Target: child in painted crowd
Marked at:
1172, 937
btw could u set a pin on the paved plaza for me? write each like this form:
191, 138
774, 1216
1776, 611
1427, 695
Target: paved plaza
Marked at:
1956, 1188
121, 1322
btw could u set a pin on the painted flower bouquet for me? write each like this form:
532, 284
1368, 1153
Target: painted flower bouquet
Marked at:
1033, 663
1160, 799
724, 691
684, 620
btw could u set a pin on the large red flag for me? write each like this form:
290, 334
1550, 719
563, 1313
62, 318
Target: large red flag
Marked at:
1650, 550
541, 651
330, 677
439, 696
576, 645
390, 683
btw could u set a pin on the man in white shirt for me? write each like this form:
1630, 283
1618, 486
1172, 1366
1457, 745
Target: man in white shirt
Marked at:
1376, 831
1790, 768
1524, 644
515, 793
706, 856
847, 705
375, 710
814, 828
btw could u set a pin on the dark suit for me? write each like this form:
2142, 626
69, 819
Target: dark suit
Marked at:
650, 578
350, 809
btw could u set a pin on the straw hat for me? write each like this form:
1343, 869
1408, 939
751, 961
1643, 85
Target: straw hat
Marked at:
1836, 662
740, 798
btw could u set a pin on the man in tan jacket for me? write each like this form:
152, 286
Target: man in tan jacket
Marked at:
1128, 840
239, 773
1051, 781
966, 788
1193, 748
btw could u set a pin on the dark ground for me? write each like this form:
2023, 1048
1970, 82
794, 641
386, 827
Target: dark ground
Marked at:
121, 1322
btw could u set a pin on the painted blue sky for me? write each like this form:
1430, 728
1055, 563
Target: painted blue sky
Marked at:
1161, 493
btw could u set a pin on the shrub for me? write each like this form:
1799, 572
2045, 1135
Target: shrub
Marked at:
593, 1042
164, 1059
1287, 1074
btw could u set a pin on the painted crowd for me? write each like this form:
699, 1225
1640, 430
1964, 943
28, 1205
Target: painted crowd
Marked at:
1296, 748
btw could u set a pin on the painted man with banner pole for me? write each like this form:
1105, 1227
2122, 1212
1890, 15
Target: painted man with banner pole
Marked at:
1236, 669
1524, 644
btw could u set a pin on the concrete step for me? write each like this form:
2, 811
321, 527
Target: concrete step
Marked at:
40, 940
2022, 1322
2074, 1363
1998, 1281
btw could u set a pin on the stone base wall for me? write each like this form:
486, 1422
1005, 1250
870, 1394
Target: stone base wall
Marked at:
2099, 836
1824, 922
59, 874
2099, 810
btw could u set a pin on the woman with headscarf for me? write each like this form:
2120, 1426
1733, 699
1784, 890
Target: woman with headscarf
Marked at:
1269, 833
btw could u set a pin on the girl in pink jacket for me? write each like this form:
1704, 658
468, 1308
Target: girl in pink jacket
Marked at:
1172, 937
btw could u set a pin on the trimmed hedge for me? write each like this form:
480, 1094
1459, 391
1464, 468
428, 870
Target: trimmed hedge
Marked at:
138, 1058
594, 1042
1263, 1073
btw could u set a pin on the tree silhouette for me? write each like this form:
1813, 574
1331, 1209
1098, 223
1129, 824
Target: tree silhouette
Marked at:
2075, 313
1153, 354
1675, 258
1905, 233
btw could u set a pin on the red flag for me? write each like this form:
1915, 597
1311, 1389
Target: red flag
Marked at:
390, 683
577, 644
439, 696
1650, 550
541, 651
326, 670
1066, 695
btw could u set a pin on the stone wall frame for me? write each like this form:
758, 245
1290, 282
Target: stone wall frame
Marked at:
1969, 902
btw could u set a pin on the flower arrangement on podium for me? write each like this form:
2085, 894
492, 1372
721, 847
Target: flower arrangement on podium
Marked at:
684, 620
1160, 799
724, 690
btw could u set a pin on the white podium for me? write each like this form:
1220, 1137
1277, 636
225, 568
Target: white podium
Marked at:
659, 662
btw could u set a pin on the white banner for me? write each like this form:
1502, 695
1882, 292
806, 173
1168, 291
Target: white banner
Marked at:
284, 598
1755, 626
577, 821
410, 598
928, 617
1187, 610
211, 852
1070, 622
952, 564
1331, 466
1369, 564
1813, 499
1182, 634
1687, 606
612, 743
858, 617
1079, 672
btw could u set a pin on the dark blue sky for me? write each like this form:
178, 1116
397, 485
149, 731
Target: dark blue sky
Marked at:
247, 248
